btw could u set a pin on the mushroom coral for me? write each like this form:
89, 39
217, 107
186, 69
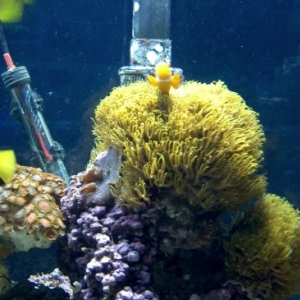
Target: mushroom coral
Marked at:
264, 251
201, 141
29, 215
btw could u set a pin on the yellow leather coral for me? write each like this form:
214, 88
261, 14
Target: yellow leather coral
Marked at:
264, 251
202, 141
29, 215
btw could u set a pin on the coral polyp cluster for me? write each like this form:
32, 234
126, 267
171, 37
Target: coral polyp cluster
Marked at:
29, 215
264, 251
149, 219
202, 141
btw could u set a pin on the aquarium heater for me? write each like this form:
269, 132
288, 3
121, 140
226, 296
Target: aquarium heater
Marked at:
27, 106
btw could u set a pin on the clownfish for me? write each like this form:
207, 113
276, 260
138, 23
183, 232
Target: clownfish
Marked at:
164, 79
7, 165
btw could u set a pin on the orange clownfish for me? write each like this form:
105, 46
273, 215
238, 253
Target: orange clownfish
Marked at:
164, 79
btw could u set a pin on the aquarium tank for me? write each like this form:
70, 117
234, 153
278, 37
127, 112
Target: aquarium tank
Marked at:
150, 149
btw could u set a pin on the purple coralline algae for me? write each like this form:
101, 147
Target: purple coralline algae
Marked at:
107, 249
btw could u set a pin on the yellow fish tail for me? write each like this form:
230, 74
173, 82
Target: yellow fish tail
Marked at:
7, 165
176, 81
152, 80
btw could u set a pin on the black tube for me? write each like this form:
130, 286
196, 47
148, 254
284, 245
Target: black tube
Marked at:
3, 39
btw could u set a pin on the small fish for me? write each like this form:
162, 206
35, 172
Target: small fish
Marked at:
7, 165
164, 79
11, 11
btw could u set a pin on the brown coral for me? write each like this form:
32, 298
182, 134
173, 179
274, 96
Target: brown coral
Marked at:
26, 204
201, 141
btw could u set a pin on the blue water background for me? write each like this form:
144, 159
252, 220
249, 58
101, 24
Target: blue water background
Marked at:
73, 50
